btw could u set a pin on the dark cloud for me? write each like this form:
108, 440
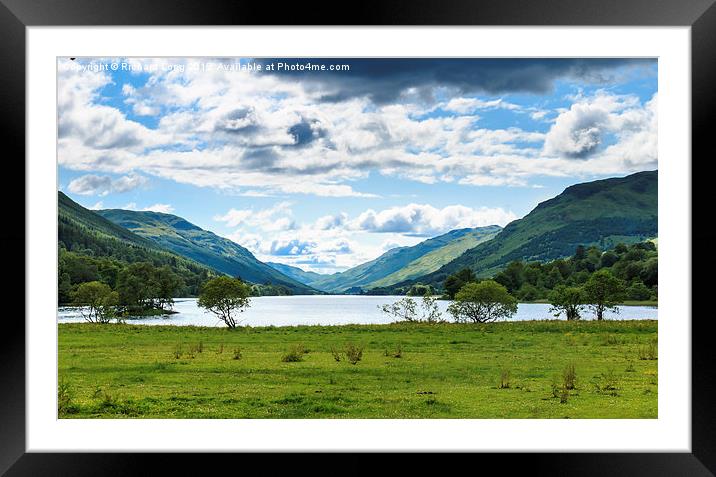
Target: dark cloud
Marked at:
385, 79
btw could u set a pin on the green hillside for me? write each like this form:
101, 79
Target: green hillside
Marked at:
186, 239
365, 275
432, 261
307, 278
89, 244
603, 213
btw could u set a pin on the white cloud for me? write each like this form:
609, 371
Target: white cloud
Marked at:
164, 208
426, 220
580, 131
274, 218
91, 184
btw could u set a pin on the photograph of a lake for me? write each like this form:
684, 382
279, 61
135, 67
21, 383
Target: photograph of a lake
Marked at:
332, 310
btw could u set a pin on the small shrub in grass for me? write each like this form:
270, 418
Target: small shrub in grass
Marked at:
504, 378
336, 354
611, 339
630, 368
569, 377
294, 355
563, 396
649, 351
220, 350
177, 351
354, 353
237, 353
64, 398
398, 353
200, 347
608, 383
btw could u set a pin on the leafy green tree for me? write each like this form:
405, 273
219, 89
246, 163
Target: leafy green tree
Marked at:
567, 300
482, 303
98, 300
225, 297
456, 281
603, 291
166, 284
638, 291
403, 309
137, 286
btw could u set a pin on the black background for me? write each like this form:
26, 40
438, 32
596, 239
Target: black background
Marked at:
15, 15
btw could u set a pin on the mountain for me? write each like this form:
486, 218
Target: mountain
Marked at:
186, 239
603, 212
298, 274
441, 250
86, 233
435, 259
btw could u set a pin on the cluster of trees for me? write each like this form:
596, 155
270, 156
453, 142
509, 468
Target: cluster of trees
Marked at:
636, 266
109, 289
82, 266
601, 292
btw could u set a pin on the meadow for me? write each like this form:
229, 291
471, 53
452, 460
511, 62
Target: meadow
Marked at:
529, 369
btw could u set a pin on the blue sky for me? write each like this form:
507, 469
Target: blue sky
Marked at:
326, 169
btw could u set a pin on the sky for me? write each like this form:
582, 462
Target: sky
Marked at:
327, 163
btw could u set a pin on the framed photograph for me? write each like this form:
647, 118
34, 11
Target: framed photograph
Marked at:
462, 228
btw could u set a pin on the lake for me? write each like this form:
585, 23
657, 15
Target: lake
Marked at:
331, 310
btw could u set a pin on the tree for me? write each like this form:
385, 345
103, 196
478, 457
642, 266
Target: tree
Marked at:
456, 281
225, 296
603, 291
166, 284
403, 309
98, 300
482, 303
567, 300
406, 310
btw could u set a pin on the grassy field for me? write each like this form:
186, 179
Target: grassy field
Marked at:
499, 370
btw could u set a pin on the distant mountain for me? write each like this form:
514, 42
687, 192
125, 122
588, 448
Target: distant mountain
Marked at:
85, 232
435, 259
186, 239
441, 249
307, 278
603, 212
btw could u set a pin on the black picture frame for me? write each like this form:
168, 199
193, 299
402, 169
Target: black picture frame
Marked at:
700, 15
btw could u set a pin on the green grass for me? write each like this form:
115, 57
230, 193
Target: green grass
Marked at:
440, 371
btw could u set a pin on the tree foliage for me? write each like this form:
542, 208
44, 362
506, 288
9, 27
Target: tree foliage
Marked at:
569, 301
603, 291
98, 301
225, 297
482, 302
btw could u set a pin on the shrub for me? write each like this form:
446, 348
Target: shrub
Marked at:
220, 349
294, 354
237, 353
354, 353
649, 351
64, 397
569, 377
178, 351
336, 354
504, 378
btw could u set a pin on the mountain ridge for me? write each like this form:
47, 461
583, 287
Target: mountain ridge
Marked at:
191, 241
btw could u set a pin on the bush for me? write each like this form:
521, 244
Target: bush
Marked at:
64, 398
237, 353
649, 351
336, 354
504, 378
294, 354
569, 377
354, 353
